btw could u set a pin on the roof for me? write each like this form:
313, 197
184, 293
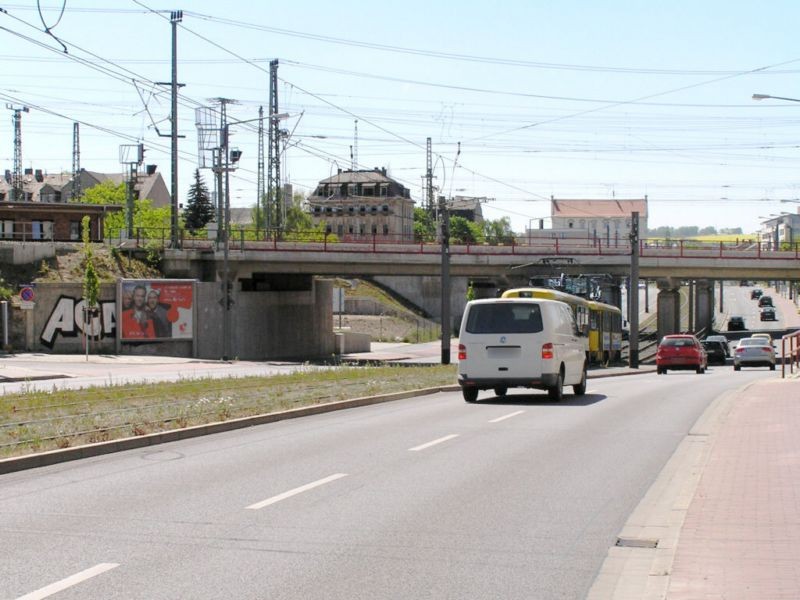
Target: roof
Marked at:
375, 176
598, 208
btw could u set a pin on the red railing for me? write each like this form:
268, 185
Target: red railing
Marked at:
790, 351
315, 241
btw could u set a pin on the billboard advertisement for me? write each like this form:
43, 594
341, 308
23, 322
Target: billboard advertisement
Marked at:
155, 309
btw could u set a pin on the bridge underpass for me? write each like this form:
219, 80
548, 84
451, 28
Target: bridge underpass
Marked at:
501, 267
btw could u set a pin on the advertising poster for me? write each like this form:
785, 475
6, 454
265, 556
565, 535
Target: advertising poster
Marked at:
157, 309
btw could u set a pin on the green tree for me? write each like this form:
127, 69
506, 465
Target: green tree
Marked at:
106, 192
464, 231
498, 231
148, 221
199, 209
91, 281
424, 227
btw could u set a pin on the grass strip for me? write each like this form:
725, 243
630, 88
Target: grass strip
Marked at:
37, 421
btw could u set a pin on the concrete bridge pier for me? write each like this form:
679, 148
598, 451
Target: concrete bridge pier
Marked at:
703, 305
611, 292
668, 306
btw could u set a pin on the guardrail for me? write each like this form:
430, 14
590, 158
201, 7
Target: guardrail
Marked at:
790, 341
259, 240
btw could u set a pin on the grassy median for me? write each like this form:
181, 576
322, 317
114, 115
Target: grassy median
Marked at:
37, 421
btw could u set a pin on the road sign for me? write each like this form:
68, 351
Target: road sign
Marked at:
26, 294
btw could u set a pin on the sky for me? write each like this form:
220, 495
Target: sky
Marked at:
572, 99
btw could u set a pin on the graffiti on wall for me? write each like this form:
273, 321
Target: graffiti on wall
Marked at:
67, 319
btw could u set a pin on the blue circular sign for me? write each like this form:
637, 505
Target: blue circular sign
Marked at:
26, 294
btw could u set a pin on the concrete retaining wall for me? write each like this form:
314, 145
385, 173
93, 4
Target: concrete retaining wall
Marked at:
264, 325
425, 292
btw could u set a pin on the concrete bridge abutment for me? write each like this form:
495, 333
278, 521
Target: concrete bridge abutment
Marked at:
668, 306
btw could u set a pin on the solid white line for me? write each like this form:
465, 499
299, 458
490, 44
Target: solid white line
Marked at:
508, 416
295, 491
59, 586
433, 443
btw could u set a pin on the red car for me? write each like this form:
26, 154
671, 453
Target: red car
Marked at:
680, 352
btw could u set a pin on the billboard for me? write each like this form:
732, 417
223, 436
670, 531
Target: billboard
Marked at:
155, 309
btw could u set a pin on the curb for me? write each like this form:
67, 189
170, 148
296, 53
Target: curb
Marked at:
52, 457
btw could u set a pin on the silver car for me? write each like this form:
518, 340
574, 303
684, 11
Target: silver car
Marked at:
754, 352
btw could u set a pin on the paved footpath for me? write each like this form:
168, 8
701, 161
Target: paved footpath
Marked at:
741, 535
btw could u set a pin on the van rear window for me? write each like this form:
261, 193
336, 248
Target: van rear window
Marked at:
504, 318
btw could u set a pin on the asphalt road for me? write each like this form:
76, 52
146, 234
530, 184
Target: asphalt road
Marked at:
421, 498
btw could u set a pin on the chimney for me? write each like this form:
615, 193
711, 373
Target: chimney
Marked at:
39, 176
383, 170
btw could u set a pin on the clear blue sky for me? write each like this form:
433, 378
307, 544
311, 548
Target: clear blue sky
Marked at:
570, 99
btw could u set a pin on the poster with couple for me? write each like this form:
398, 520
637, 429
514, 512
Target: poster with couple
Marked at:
155, 309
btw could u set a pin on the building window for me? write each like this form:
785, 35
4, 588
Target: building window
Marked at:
385, 209
317, 210
374, 229
384, 189
340, 230
7, 229
385, 229
353, 189
42, 230
351, 210
327, 228
570, 224
362, 210
74, 230
373, 210
362, 229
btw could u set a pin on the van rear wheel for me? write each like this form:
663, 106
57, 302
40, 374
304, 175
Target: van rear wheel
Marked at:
500, 390
556, 393
470, 394
580, 389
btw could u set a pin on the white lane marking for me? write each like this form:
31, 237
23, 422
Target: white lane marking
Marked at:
59, 586
295, 491
508, 416
433, 443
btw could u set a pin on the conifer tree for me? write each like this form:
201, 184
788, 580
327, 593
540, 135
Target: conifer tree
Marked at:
199, 210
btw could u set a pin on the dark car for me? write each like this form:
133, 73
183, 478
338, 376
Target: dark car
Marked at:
756, 294
736, 324
768, 314
680, 352
715, 352
765, 301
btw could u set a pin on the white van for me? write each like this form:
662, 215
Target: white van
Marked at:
520, 342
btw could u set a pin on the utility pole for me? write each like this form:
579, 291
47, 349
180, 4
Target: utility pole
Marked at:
633, 296
354, 167
429, 174
260, 175
445, 243
131, 156
16, 177
175, 17
76, 162
274, 154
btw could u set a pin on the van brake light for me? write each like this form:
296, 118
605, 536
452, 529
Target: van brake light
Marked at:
547, 350
462, 352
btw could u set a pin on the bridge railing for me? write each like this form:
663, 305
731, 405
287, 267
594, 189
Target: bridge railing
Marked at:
317, 241
790, 352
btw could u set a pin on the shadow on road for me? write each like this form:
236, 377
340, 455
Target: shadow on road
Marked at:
534, 399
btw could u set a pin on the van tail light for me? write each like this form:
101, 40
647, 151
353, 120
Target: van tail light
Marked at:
547, 350
462, 352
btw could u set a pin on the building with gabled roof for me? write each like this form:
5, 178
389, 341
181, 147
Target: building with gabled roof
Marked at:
598, 219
